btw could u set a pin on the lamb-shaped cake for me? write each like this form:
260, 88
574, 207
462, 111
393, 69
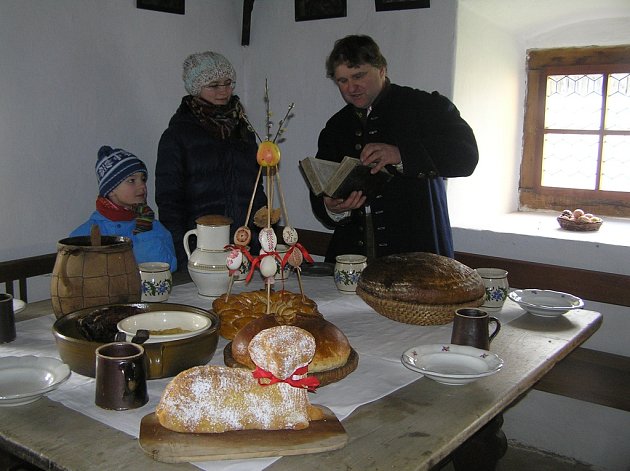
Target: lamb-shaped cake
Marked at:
215, 399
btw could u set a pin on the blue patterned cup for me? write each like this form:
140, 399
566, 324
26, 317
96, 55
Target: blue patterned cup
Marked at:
156, 280
497, 287
347, 272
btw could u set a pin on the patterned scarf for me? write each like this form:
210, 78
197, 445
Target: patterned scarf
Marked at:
220, 120
142, 213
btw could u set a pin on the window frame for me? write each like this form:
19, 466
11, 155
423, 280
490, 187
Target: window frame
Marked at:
563, 61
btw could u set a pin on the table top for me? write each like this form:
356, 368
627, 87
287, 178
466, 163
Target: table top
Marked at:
413, 427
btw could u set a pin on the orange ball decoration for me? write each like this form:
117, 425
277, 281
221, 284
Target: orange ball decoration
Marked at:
268, 154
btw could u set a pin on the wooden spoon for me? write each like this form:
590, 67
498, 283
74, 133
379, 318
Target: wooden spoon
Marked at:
95, 235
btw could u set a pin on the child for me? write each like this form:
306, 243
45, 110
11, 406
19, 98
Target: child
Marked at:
122, 210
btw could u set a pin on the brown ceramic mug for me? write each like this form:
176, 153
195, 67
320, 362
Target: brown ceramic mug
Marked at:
471, 326
7, 318
121, 381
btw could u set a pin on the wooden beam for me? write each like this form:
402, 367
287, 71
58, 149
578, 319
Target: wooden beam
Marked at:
248, 6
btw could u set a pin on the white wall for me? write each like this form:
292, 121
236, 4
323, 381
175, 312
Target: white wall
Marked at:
488, 93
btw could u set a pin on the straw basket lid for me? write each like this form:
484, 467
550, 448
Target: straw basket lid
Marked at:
420, 288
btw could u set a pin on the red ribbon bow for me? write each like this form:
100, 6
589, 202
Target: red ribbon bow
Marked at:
307, 382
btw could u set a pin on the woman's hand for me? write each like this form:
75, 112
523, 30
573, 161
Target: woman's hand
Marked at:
355, 200
380, 155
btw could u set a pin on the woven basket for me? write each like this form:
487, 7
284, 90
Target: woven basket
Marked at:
415, 313
324, 377
570, 225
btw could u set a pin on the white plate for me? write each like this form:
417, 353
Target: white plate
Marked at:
18, 305
451, 364
193, 324
25, 379
544, 302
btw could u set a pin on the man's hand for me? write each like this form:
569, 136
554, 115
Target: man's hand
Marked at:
355, 200
380, 155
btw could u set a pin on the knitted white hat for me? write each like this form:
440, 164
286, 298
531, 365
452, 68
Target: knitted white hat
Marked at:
204, 67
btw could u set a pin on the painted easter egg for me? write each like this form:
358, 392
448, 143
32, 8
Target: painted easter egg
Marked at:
268, 154
234, 259
296, 258
268, 239
289, 235
268, 266
243, 236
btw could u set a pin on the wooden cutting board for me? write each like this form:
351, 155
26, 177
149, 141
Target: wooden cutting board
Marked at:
174, 447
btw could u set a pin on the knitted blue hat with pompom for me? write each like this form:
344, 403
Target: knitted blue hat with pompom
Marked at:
113, 166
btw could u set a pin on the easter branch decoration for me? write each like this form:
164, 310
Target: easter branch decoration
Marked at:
268, 157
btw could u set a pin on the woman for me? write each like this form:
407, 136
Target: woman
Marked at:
207, 156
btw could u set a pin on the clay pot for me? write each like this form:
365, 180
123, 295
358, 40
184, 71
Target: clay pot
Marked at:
87, 275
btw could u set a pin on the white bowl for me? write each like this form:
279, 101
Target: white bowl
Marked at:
451, 364
544, 302
25, 379
164, 326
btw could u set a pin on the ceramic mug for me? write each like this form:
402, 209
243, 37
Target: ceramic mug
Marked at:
121, 379
156, 281
471, 327
347, 272
7, 318
496, 284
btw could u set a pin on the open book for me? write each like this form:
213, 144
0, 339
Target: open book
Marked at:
338, 180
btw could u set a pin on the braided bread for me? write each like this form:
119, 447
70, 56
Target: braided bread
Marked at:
239, 310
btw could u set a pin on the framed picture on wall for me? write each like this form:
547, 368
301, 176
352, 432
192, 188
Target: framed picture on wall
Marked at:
168, 6
306, 10
388, 5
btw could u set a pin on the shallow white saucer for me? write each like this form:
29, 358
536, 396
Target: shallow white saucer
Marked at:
18, 305
189, 323
544, 302
25, 379
451, 364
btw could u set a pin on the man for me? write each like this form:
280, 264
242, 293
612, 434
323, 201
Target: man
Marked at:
418, 136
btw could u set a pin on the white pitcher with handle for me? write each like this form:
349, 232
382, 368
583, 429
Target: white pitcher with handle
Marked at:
207, 263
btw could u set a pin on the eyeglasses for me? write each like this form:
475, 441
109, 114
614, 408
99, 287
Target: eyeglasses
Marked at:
216, 86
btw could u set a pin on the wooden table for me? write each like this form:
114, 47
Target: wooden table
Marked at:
414, 428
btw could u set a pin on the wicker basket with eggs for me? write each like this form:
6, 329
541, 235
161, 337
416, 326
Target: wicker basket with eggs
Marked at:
578, 220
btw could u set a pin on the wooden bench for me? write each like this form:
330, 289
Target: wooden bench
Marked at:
587, 375
21, 269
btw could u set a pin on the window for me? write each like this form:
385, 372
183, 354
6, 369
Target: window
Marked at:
576, 146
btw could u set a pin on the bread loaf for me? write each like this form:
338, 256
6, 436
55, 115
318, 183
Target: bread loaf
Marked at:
423, 278
332, 348
237, 310
215, 399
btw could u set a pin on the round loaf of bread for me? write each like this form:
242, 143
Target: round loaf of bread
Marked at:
421, 277
420, 288
332, 348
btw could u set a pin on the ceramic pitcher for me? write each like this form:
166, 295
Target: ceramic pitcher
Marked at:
207, 263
